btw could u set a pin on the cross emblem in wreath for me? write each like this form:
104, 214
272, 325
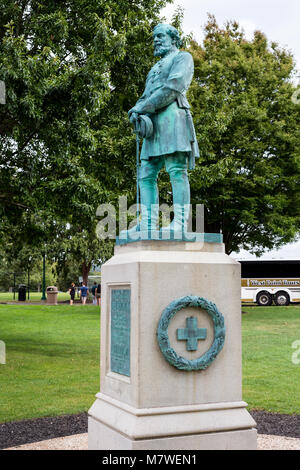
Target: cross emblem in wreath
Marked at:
191, 334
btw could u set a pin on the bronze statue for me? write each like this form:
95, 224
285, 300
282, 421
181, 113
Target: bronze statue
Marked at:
162, 116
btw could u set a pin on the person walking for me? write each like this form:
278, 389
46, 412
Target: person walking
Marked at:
84, 292
98, 294
72, 292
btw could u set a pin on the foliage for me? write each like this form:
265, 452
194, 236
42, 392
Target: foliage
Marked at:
70, 250
68, 67
16, 266
248, 132
76, 252
72, 70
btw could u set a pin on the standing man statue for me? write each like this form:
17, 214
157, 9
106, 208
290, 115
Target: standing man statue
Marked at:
162, 116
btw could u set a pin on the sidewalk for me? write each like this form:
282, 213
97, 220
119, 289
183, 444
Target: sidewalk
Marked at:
80, 442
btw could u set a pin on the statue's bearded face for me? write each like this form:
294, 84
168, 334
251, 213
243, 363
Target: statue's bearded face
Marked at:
163, 42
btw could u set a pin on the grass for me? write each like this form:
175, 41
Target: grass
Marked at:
33, 297
271, 381
53, 359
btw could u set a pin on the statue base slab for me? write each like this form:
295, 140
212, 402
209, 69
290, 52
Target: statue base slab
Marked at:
169, 235
145, 402
220, 426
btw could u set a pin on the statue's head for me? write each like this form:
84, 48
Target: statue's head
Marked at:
166, 38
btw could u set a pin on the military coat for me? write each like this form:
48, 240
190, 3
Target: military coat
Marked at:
164, 101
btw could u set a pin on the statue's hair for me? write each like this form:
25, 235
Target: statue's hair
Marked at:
172, 32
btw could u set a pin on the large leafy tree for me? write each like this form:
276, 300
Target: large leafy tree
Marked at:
72, 69
248, 133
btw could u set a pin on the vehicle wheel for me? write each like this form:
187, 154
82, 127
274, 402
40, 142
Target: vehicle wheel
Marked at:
264, 299
282, 298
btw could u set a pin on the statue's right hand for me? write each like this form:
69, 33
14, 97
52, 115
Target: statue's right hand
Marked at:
133, 117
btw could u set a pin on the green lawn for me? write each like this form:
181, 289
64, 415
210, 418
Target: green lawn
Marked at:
270, 379
53, 359
33, 296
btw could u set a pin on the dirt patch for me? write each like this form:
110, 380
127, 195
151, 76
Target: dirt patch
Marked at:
40, 429
277, 424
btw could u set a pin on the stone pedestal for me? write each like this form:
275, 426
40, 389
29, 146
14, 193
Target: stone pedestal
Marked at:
145, 401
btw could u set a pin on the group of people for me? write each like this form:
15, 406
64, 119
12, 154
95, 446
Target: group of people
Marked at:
84, 292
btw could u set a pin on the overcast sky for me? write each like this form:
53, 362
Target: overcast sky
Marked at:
291, 251
278, 19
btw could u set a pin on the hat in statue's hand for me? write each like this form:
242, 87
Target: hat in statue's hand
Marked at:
143, 126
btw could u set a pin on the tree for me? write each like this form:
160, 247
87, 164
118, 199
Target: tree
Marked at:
248, 132
72, 70
78, 250
23, 265
68, 68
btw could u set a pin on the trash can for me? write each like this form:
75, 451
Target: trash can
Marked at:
52, 295
22, 293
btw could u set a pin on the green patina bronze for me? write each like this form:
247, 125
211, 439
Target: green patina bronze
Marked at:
120, 331
162, 117
171, 237
163, 339
191, 334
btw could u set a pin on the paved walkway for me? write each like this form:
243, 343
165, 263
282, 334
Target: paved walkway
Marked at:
80, 442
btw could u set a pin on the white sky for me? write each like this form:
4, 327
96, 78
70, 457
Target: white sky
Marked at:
278, 19
289, 251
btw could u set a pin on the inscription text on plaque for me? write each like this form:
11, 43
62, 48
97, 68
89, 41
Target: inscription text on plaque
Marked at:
120, 331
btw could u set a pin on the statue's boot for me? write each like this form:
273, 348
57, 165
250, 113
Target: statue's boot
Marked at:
181, 201
148, 208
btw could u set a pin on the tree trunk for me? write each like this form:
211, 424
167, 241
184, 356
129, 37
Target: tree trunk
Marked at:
86, 267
